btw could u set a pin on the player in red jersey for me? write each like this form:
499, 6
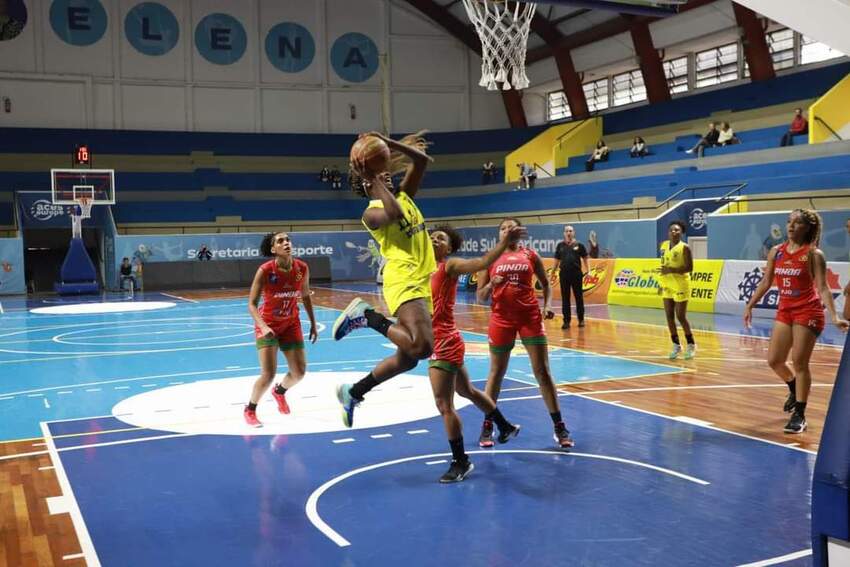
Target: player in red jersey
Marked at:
280, 282
800, 271
447, 371
517, 311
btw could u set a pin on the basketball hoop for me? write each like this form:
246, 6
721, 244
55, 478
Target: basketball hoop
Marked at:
503, 29
85, 204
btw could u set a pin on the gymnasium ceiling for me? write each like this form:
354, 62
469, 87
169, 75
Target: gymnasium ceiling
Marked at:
569, 23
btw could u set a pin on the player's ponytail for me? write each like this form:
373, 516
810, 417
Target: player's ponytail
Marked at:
399, 161
266, 245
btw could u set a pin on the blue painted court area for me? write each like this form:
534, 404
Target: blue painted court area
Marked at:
142, 413
70, 366
637, 490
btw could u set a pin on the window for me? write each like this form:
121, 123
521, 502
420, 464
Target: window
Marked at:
717, 65
596, 93
781, 45
628, 87
676, 71
557, 107
812, 51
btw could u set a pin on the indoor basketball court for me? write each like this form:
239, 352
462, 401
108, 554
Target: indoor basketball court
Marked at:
128, 352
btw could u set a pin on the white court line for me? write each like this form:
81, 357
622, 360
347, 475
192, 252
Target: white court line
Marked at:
381, 435
79, 523
436, 462
417, 431
180, 298
311, 507
47, 468
712, 427
343, 440
73, 556
157, 376
780, 559
705, 387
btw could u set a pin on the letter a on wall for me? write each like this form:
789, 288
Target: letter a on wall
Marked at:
354, 57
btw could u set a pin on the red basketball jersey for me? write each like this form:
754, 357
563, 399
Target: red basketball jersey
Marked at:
794, 279
281, 291
516, 294
443, 294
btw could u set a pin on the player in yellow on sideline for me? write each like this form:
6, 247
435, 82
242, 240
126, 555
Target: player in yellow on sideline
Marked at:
676, 267
395, 222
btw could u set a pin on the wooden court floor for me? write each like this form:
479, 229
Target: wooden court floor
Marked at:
728, 385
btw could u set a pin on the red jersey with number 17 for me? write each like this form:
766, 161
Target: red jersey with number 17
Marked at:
515, 296
794, 279
444, 295
281, 291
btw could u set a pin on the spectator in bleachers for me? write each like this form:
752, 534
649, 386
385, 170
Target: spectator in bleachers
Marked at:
527, 176
488, 172
639, 148
727, 136
336, 178
592, 245
599, 154
325, 175
799, 127
707, 141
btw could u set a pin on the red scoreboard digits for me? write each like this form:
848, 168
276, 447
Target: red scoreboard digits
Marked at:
82, 156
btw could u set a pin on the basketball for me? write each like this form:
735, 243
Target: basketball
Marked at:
373, 152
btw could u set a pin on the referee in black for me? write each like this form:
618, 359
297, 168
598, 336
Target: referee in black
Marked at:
572, 256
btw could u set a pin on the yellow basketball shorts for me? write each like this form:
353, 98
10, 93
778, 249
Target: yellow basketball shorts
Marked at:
678, 293
398, 293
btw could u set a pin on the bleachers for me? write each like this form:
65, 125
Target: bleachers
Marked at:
179, 177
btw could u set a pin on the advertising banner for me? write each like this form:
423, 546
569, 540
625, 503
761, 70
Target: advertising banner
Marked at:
353, 255
38, 211
635, 282
12, 280
742, 277
595, 283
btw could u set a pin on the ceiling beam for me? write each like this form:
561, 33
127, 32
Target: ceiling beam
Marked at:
756, 49
606, 29
465, 34
651, 67
570, 80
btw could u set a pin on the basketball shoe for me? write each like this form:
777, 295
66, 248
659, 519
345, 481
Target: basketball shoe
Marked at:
352, 317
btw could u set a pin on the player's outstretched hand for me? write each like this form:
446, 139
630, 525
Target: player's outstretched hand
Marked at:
314, 334
548, 313
516, 234
842, 324
496, 280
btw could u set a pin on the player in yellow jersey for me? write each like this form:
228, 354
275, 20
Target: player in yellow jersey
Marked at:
676, 267
395, 222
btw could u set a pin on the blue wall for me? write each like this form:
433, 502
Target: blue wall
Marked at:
12, 266
750, 236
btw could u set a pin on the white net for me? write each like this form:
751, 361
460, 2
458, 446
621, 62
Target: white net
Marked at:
85, 205
503, 29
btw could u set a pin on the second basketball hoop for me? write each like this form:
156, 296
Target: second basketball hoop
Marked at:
503, 29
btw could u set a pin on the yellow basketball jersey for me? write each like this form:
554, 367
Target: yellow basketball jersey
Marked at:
673, 258
405, 244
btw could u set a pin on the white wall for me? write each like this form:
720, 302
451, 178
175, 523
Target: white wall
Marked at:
429, 81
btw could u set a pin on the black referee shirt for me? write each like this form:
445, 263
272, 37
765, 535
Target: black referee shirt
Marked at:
569, 256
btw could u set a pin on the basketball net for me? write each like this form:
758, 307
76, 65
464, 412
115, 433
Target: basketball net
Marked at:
503, 29
85, 204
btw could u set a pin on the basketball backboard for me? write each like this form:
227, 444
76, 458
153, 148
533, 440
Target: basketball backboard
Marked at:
69, 185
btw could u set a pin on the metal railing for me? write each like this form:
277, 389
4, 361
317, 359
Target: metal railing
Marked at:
828, 127
543, 169
808, 198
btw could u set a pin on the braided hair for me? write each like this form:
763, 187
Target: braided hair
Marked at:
815, 224
398, 163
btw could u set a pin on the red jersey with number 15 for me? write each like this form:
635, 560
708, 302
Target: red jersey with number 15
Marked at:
514, 296
793, 276
281, 291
